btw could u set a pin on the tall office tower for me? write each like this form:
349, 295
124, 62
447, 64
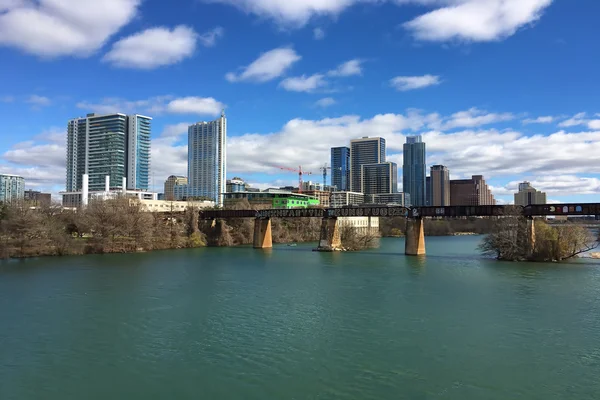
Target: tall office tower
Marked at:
471, 192
114, 145
207, 159
379, 178
529, 195
413, 170
12, 188
364, 151
340, 168
440, 186
170, 183
138, 152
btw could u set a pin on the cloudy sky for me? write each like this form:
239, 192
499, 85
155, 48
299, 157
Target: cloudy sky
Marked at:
504, 88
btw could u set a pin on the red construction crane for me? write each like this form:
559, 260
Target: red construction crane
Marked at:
300, 173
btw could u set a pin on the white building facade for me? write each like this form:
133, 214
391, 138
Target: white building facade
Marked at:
12, 188
207, 160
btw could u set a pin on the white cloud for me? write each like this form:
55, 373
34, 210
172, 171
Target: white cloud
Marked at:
7, 99
303, 83
53, 28
539, 120
39, 101
405, 83
467, 20
318, 34
563, 185
195, 105
475, 117
325, 102
209, 39
290, 12
349, 68
475, 20
153, 48
594, 124
577, 119
563, 168
156, 106
267, 66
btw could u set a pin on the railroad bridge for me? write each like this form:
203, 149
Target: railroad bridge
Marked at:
415, 235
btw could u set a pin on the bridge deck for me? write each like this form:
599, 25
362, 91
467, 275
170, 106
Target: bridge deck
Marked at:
390, 211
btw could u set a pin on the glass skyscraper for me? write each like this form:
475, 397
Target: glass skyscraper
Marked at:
138, 149
379, 178
340, 168
207, 159
413, 170
114, 145
364, 151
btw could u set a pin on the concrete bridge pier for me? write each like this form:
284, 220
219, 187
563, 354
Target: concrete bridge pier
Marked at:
415, 237
262, 233
330, 239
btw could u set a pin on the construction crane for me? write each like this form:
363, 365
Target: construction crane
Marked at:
300, 174
324, 169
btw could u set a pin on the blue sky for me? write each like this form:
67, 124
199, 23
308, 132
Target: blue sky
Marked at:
504, 88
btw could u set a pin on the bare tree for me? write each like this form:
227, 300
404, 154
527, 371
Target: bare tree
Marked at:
355, 239
512, 240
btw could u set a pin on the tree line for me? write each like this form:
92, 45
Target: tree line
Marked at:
111, 226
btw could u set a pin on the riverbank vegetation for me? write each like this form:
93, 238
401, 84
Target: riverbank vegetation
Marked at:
396, 226
112, 226
510, 240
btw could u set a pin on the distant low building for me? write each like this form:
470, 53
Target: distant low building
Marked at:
399, 199
310, 186
341, 199
36, 198
170, 184
322, 196
235, 185
273, 198
165, 206
529, 195
361, 224
12, 188
471, 192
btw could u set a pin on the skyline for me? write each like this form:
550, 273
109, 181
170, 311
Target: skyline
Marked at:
504, 100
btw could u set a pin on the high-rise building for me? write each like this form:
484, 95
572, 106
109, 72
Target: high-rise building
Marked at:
528, 195
379, 178
170, 184
207, 159
364, 151
138, 152
471, 192
114, 145
413, 170
440, 186
340, 168
12, 188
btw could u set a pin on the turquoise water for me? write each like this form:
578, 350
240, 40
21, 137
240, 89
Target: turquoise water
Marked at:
238, 323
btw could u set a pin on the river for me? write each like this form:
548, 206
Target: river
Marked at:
236, 323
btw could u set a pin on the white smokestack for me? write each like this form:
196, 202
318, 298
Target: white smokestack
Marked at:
107, 184
124, 185
85, 190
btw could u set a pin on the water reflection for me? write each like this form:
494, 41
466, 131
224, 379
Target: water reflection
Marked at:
416, 265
